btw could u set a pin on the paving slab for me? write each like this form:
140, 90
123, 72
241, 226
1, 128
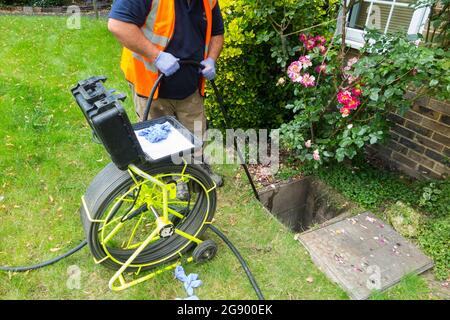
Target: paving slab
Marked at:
363, 254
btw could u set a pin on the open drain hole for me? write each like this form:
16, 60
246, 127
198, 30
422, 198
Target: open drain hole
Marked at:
300, 204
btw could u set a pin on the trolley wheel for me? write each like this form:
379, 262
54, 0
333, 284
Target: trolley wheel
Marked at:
205, 251
119, 219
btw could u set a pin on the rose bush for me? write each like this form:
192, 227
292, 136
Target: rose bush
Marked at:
340, 106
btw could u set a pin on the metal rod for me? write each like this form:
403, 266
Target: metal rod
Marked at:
154, 212
236, 146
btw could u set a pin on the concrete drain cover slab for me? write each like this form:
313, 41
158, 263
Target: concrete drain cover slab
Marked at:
363, 254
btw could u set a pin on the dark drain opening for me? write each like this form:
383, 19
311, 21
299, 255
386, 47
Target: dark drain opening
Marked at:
300, 204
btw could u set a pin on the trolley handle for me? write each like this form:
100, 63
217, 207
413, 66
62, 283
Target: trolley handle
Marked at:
191, 63
155, 86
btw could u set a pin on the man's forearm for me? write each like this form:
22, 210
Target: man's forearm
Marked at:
215, 47
132, 37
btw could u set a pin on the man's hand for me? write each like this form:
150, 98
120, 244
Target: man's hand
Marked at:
167, 63
215, 47
209, 72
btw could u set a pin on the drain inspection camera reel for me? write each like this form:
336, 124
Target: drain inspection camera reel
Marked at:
133, 214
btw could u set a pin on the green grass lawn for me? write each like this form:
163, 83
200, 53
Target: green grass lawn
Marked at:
47, 160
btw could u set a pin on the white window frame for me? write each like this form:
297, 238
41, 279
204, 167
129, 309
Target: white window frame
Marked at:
355, 37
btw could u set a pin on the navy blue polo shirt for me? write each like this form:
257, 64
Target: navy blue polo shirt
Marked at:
188, 41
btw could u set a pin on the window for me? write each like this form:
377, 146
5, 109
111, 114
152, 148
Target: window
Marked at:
384, 15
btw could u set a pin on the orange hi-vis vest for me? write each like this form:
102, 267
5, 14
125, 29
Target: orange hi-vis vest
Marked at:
159, 28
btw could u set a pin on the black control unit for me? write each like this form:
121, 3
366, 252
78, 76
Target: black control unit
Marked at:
111, 126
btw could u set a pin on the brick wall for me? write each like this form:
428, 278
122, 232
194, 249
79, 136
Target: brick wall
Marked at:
420, 140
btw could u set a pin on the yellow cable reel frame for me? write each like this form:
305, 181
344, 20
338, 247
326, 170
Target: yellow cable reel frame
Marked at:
167, 192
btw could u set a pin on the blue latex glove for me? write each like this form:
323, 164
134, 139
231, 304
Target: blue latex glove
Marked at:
189, 298
180, 274
156, 133
190, 282
167, 63
209, 72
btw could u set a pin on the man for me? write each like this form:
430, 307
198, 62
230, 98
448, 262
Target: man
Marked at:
156, 34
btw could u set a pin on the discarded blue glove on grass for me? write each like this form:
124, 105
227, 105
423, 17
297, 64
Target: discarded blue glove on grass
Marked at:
156, 133
190, 282
189, 298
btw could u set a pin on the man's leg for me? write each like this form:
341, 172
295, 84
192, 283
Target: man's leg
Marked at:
191, 113
159, 107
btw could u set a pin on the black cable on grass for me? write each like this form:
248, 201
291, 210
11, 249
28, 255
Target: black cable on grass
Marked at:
45, 263
241, 260
83, 244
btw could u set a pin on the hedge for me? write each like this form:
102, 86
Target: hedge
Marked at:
255, 56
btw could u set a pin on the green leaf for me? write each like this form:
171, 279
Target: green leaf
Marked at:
374, 96
433, 82
389, 92
362, 131
345, 142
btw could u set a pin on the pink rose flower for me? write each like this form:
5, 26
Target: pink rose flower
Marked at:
303, 37
321, 40
310, 44
353, 103
305, 61
293, 70
321, 68
344, 111
308, 144
351, 79
316, 155
344, 97
322, 49
308, 80
356, 92
352, 61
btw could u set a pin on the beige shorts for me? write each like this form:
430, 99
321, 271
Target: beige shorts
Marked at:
190, 111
